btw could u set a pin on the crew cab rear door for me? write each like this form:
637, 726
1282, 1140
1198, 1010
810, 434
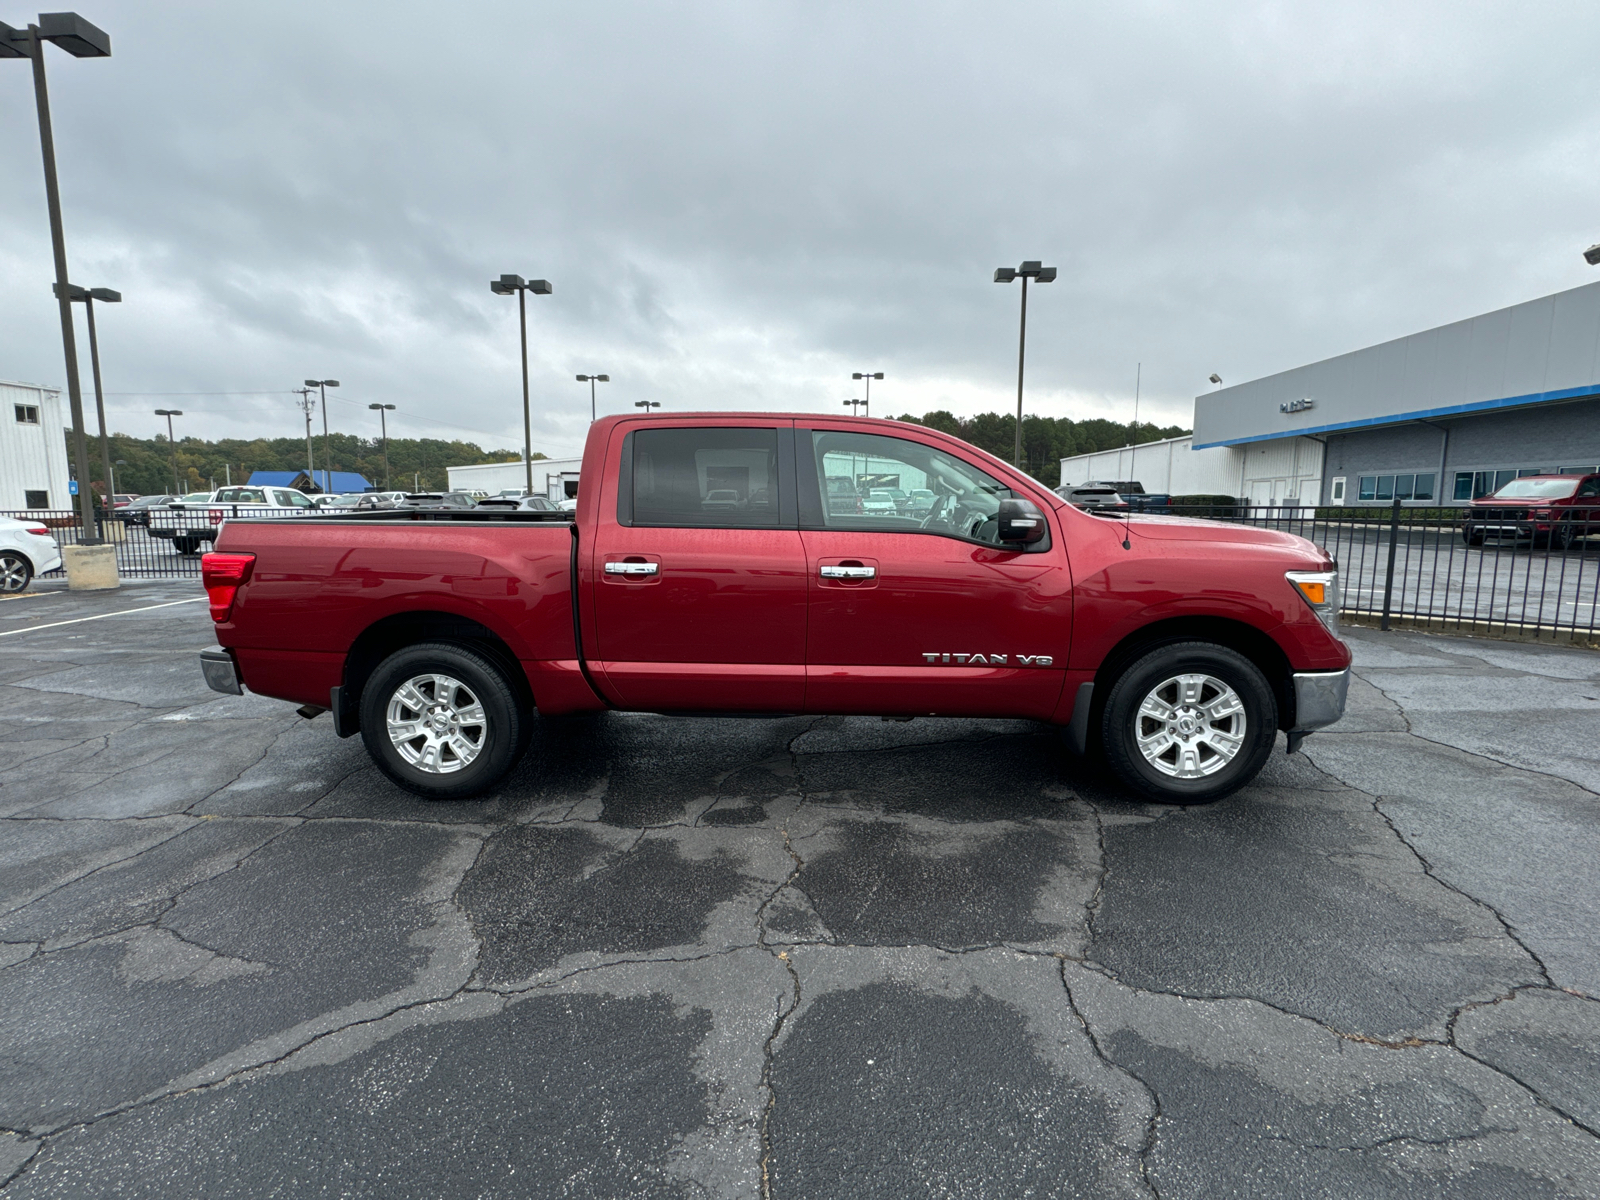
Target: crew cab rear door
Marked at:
696, 574
924, 611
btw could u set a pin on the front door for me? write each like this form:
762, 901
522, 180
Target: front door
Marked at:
923, 610
699, 580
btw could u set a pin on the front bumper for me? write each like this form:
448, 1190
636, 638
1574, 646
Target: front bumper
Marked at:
221, 671
1319, 698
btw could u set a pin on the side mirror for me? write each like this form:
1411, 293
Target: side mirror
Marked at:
1020, 521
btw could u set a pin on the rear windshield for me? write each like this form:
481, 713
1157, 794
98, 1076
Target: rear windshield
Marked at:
1537, 489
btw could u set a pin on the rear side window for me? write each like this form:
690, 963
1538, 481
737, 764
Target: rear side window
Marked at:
712, 477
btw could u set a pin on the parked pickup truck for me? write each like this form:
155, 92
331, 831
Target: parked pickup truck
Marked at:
1177, 648
186, 525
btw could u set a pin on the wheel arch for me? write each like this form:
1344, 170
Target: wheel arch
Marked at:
399, 630
1238, 636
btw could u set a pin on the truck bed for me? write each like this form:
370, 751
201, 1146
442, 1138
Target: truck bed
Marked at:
331, 585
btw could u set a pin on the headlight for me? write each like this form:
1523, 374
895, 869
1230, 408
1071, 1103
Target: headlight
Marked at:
1319, 589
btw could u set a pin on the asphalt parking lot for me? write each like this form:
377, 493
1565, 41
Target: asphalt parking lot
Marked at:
803, 957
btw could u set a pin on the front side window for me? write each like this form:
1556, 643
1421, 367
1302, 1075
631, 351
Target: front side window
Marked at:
712, 477
863, 474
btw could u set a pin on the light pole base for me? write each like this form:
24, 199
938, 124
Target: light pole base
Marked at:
91, 568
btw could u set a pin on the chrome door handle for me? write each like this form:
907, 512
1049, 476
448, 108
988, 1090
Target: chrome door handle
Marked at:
848, 572
627, 568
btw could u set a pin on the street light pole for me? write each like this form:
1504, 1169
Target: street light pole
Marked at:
322, 385
1028, 270
169, 413
591, 380
89, 296
383, 423
504, 286
868, 376
82, 40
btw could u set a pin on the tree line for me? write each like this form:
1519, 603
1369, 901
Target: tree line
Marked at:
202, 465
421, 462
1045, 440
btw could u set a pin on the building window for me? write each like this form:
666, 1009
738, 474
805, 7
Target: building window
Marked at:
1385, 488
27, 414
37, 499
1338, 489
1579, 471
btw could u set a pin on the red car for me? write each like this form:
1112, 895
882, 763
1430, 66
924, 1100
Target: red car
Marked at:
1543, 510
1178, 648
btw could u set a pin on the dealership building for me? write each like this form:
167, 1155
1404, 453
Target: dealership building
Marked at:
1439, 417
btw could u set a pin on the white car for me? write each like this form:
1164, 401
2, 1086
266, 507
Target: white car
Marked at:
27, 547
879, 502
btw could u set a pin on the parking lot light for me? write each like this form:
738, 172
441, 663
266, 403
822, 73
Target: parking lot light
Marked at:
591, 380
383, 423
81, 39
855, 405
169, 413
867, 377
87, 296
647, 405
504, 286
1036, 271
322, 386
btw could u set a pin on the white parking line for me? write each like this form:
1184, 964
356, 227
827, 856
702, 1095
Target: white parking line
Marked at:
79, 620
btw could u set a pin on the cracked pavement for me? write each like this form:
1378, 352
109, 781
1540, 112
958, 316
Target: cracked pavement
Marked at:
790, 957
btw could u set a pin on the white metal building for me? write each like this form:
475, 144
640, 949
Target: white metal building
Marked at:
1286, 471
556, 478
33, 448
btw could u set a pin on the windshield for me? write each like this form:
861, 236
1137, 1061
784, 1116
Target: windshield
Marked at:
1537, 489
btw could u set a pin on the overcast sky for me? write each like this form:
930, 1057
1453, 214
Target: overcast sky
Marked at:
738, 204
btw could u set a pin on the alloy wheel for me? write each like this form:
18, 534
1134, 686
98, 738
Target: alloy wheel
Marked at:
1190, 726
436, 723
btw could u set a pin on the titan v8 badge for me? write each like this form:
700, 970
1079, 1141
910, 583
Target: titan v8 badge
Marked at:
990, 660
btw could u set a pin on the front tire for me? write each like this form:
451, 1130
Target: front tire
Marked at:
442, 720
1189, 723
15, 573
1471, 536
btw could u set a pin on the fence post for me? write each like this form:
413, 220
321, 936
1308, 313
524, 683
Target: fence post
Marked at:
1388, 577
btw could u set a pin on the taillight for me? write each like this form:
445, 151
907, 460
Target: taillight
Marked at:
37, 530
216, 516
223, 574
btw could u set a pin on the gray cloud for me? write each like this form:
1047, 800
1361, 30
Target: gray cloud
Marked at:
740, 204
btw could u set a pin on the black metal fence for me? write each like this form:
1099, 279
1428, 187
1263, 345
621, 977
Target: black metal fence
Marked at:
1439, 569
154, 544
1428, 567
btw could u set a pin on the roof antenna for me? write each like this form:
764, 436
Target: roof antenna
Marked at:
1127, 516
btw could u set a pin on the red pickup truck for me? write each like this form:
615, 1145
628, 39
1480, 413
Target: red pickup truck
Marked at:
716, 565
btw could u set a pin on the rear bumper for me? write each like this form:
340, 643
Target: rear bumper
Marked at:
1319, 698
221, 671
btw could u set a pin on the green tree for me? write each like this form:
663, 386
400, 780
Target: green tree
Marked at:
1045, 440
149, 460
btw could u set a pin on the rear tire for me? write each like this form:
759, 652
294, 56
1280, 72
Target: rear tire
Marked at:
15, 573
185, 545
443, 721
1470, 536
1189, 723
